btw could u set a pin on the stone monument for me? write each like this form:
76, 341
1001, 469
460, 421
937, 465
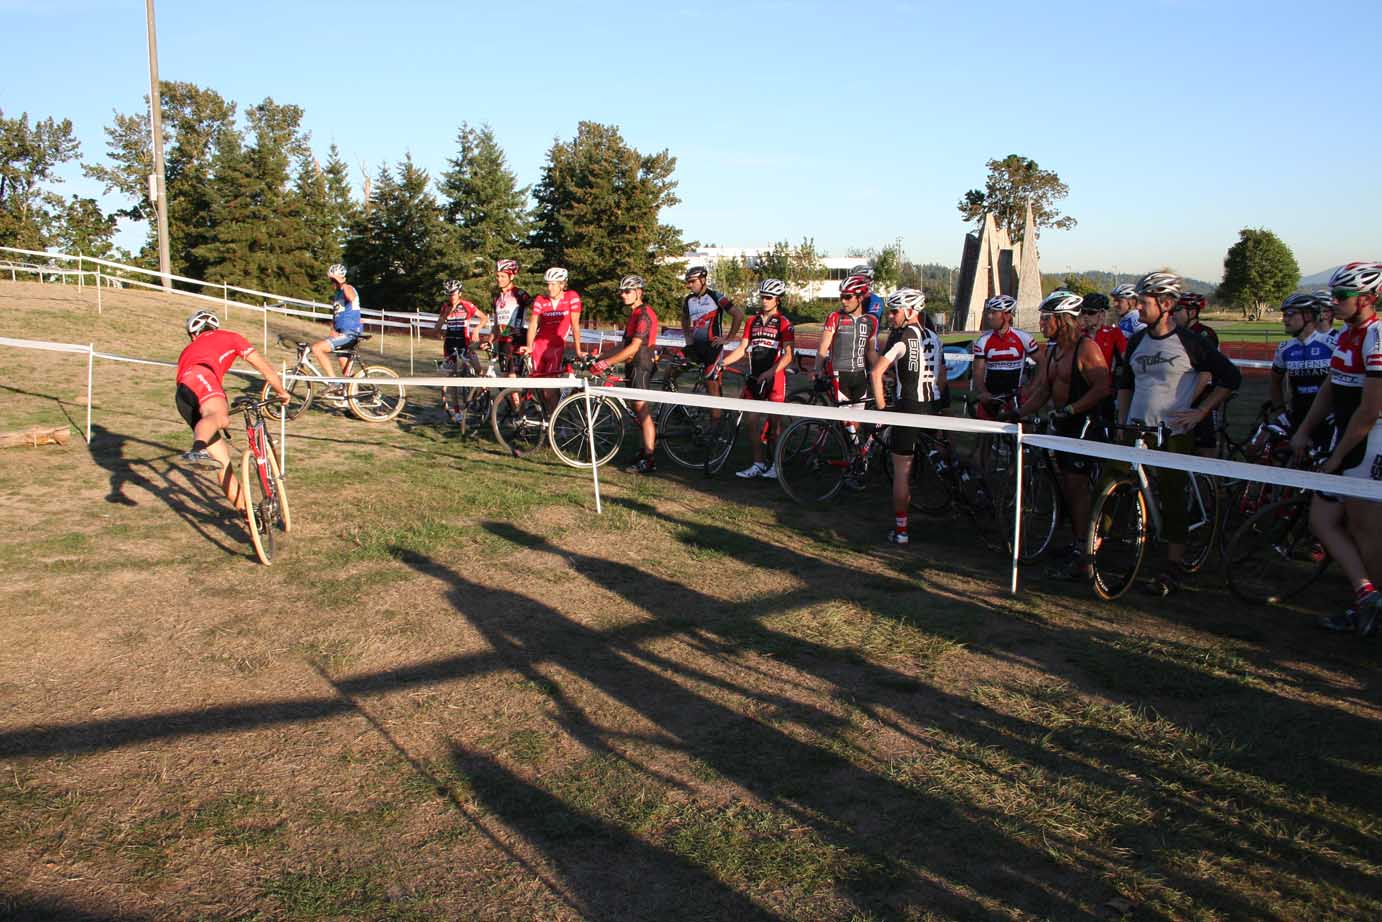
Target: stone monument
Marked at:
991, 265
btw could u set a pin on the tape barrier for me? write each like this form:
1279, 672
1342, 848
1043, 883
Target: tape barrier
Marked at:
45, 346
456, 381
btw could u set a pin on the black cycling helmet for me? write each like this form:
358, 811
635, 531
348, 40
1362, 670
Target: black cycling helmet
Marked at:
1094, 304
696, 272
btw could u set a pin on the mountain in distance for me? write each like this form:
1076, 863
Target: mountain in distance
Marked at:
1318, 280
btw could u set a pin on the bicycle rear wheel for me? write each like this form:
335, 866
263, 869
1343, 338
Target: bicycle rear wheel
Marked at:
1274, 557
930, 486
518, 422
1202, 519
569, 434
812, 460
685, 433
476, 410
723, 433
300, 394
376, 399
1040, 505
1117, 541
259, 512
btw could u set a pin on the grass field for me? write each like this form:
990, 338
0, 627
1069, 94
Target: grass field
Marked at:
461, 694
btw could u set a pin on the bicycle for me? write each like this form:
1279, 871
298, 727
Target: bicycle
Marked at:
1274, 556
371, 397
518, 417
261, 481
1127, 510
467, 407
691, 435
610, 417
816, 458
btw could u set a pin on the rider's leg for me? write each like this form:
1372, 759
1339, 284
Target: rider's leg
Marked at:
647, 426
1327, 522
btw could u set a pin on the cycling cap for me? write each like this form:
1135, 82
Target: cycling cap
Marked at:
507, 265
1300, 301
1004, 303
1191, 301
202, 321
1061, 302
907, 299
1362, 277
337, 271
555, 275
451, 287
696, 272
1159, 283
1124, 290
630, 282
772, 288
1094, 303
857, 285
863, 269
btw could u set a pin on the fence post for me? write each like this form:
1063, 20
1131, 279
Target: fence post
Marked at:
590, 433
81, 274
410, 351
90, 367
99, 286
1017, 511
382, 320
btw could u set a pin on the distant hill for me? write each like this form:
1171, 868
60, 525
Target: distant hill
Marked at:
1318, 280
1099, 280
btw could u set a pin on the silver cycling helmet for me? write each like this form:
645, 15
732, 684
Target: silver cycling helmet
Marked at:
202, 321
1160, 284
1061, 302
1003, 303
772, 288
555, 275
697, 272
631, 282
451, 287
1301, 301
1362, 277
907, 299
863, 269
1125, 290
337, 272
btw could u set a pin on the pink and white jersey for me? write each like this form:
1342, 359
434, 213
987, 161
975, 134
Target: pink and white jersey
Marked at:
554, 319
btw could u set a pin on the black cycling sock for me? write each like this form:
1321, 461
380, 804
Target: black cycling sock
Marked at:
198, 445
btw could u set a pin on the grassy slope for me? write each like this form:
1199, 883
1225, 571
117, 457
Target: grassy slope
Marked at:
462, 694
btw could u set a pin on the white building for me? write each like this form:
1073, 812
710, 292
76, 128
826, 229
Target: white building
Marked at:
837, 267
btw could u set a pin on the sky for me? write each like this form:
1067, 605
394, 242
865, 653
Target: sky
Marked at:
1175, 123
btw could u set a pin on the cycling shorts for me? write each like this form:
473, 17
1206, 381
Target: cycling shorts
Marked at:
189, 407
1084, 426
202, 383
547, 356
1370, 468
702, 352
640, 376
452, 345
771, 388
851, 388
904, 438
342, 341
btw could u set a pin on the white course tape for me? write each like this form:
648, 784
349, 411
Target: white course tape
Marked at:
457, 381
1232, 470
41, 344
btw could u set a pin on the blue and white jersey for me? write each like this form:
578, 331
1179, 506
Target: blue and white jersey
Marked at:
1130, 323
345, 313
1305, 365
873, 306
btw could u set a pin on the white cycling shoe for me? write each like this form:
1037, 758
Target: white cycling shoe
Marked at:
756, 469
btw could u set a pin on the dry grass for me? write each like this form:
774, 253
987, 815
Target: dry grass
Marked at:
461, 694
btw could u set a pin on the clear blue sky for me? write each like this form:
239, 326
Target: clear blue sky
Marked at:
1175, 122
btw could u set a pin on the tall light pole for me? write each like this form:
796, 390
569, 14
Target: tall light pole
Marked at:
157, 189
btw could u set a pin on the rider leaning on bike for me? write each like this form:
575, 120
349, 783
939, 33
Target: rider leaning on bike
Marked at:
511, 305
1156, 387
915, 352
455, 319
769, 342
1301, 363
702, 323
1000, 358
636, 351
347, 323
843, 354
201, 397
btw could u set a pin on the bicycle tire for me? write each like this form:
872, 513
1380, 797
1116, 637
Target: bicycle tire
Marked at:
476, 410
300, 396
283, 514
256, 500
812, 459
1117, 542
1040, 507
519, 430
723, 435
1203, 525
1274, 557
374, 399
930, 493
684, 433
569, 432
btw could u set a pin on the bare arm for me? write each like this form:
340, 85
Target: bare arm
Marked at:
1278, 389
261, 365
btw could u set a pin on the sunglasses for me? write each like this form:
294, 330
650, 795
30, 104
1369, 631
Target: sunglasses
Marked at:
1343, 294
849, 297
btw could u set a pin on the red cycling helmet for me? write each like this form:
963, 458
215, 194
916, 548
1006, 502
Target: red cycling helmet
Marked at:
1191, 301
857, 285
507, 265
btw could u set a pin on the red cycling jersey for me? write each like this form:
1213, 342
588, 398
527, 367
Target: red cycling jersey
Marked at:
1005, 354
457, 319
554, 318
1112, 342
217, 350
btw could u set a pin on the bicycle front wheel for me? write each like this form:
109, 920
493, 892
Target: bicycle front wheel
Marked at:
569, 433
685, 434
300, 394
1117, 541
282, 514
376, 398
1040, 506
518, 422
812, 460
930, 491
259, 512
1274, 557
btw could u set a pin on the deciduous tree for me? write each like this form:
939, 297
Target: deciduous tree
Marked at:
1258, 270
1013, 182
29, 157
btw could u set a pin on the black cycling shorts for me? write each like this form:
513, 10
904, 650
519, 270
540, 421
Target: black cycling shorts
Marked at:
904, 438
703, 352
1073, 427
851, 387
189, 407
1206, 432
640, 376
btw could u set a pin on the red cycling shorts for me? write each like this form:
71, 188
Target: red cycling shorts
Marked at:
202, 382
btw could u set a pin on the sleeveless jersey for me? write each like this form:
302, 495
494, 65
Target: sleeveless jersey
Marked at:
915, 356
851, 342
1006, 355
345, 314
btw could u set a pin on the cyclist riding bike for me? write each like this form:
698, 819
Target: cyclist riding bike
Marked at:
555, 315
201, 397
915, 352
769, 343
636, 351
1301, 363
1156, 387
873, 304
1074, 378
511, 305
702, 323
1353, 393
347, 324
1001, 356
455, 319
842, 356
1124, 299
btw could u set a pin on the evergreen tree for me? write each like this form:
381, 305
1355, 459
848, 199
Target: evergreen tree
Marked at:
399, 251
29, 154
598, 205
482, 200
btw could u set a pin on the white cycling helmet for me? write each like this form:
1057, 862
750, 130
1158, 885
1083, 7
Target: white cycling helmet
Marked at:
1362, 277
1125, 290
863, 269
506, 265
555, 275
772, 288
202, 321
337, 272
1004, 303
907, 299
1061, 302
1160, 284
631, 282
451, 287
